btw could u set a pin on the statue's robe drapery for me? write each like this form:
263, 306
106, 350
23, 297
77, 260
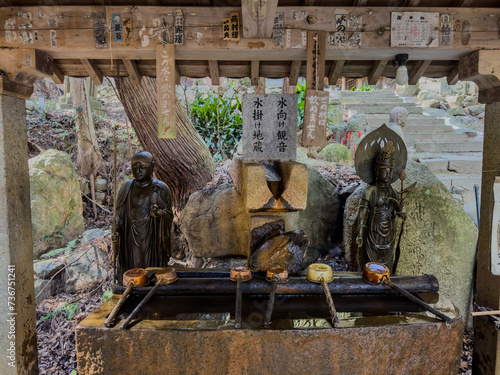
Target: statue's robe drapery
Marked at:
144, 241
380, 235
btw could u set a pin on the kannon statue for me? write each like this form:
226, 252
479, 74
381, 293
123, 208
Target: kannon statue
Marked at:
143, 218
380, 158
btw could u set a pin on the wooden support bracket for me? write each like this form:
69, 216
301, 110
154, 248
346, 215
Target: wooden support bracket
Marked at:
483, 68
376, 71
452, 77
93, 71
417, 71
336, 71
57, 75
15, 89
213, 66
133, 71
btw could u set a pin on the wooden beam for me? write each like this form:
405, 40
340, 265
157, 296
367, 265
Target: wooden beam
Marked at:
462, 3
295, 72
133, 71
177, 75
376, 71
93, 71
417, 71
254, 72
213, 66
412, 3
57, 75
452, 77
18, 90
335, 72
258, 18
359, 3
308, 3
481, 67
487, 96
29, 65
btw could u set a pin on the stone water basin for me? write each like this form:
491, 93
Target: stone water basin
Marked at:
195, 334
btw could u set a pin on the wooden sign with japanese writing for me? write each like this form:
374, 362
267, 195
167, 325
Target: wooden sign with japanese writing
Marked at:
270, 127
226, 29
316, 50
315, 118
165, 81
178, 28
234, 20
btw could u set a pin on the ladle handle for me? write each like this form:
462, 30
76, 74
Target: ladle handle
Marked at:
119, 304
237, 309
139, 306
270, 304
331, 305
418, 301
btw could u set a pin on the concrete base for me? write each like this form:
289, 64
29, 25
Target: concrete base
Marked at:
395, 344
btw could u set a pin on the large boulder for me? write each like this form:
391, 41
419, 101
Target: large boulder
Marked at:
56, 201
439, 237
216, 223
84, 267
322, 218
336, 152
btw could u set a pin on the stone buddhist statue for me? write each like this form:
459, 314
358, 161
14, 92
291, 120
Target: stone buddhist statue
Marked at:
143, 218
382, 157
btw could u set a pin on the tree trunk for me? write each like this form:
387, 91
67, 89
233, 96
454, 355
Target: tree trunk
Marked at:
88, 159
183, 163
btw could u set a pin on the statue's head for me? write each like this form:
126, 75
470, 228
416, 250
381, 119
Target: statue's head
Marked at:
142, 166
384, 163
399, 115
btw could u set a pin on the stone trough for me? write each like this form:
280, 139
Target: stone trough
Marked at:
188, 328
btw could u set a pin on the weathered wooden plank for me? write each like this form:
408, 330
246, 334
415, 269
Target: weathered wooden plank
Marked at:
359, 3
165, 81
57, 75
213, 67
315, 73
92, 70
376, 71
482, 67
254, 72
417, 71
463, 3
335, 71
412, 3
295, 72
133, 71
258, 18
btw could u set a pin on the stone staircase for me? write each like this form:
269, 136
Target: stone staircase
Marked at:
453, 155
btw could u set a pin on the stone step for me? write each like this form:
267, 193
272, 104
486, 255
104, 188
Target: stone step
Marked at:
427, 129
464, 164
370, 100
450, 179
449, 146
434, 137
377, 93
365, 109
424, 120
379, 103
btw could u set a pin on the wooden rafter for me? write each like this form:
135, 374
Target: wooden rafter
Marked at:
295, 72
359, 3
463, 3
417, 71
308, 3
335, 71
57, 75
254, 72
213, 66
133, 71
412, 3
376, 71
452, 77
93, 71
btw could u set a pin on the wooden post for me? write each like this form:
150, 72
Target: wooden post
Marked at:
165, 81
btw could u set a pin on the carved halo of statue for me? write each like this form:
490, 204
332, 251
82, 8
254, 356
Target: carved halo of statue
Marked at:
380, 158
143, 218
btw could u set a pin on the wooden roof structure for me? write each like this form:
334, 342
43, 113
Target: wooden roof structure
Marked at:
61, 38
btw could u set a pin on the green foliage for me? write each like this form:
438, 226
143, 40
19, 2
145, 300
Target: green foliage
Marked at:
365, 87
69, 309
67, 249
107, 295
73, 372
300, 90
218, 120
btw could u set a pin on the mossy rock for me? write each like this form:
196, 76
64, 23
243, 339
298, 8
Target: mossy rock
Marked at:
336, 152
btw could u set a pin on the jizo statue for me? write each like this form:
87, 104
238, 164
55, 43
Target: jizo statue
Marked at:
143, 218
380, 159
